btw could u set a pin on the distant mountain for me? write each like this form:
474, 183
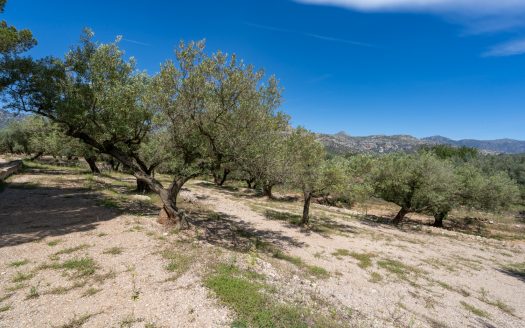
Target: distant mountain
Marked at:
344, 143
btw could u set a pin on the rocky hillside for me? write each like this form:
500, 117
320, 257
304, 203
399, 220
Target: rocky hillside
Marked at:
343, 143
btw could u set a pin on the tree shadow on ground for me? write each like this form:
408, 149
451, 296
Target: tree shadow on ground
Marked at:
484, 323
245, 193
516, 271
375, 221
230, 190
32, 213
236, 234
318, 224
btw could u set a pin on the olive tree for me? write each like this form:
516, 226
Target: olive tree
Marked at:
95, 95
310, 171
415, 182
206, 103
98, 97
423, 183
263, 158
12, 40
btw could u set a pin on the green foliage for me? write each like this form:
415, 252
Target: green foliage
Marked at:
487, 192
416, 182
454, 153
13, 41
424, 183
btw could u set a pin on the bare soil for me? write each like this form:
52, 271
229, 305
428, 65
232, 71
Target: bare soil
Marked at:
377, 275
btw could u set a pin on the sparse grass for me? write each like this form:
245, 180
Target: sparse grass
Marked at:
496, 303
65, 289
254, 307
91, 291
33, 293
102, 234
5, 297
114, 250
19, 277
475, 310
446, 286
375, 277
100, 278
81, 267
401, 270
365, 259
516, 269
297, 261
54, 242
317, 271
341, 252
178, 262
77, 322
70, 250
19, 263
108, 202
438, 263
129, 320
16, 287
5, 308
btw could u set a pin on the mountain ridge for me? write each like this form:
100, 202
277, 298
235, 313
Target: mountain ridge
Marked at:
342, 142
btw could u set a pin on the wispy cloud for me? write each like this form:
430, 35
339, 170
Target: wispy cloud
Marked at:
320, 78
511, 48
136, 42
311, 35
464, 6
476, 16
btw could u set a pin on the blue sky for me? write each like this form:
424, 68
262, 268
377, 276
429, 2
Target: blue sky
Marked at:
421, 67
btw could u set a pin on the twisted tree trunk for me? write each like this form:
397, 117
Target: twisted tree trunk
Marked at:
91, 160
400, 215
267, 191
37, 155
438, 219
249, 183
305, 220
219, 179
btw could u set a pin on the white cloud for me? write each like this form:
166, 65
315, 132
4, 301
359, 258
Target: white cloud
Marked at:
511, 48
476, 16
467, 7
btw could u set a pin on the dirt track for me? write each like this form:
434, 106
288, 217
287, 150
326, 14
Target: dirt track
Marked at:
416, 276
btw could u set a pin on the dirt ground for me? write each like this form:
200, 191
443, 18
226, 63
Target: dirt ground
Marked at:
76, 252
